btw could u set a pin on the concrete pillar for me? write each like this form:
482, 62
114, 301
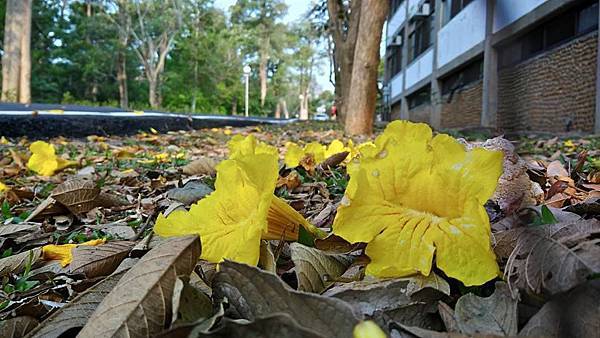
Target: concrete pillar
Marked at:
597, 115
436, 86
490, 72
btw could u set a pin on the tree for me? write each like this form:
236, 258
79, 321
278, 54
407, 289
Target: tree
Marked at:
155, 24
259, 19
355, 28
16, 60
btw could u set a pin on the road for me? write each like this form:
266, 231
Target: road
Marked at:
51, 120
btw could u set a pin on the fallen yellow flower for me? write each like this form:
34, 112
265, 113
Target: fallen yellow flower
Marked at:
368, 329
294, 153
44, 160
3, 187
64, 252
420, 196
241, 211
244, 146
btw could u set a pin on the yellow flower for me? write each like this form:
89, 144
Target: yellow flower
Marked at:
295, 153
420, 196
240, 146
3, 187
4, 141
44, 160
368, 329
64, 252
232, 220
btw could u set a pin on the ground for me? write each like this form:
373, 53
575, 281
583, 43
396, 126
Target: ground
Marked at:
113, 189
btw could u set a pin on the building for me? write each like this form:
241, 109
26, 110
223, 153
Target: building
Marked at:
511, 65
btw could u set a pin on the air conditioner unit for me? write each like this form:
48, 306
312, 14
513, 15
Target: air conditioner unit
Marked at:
422, 12
397, 40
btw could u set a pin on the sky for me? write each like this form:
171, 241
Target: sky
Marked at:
296, 10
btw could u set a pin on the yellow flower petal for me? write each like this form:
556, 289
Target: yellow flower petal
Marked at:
293, 156
3, 187
419, 196
64, 252
243, 146
368, 329
43, 159
232, 220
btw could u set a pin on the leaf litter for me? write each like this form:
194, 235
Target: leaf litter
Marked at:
544, 234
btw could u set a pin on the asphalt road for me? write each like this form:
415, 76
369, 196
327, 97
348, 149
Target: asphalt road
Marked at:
50, 120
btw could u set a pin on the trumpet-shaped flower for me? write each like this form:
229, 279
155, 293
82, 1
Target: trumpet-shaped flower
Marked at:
418, 197
44, 160
319, 152
241, 211
249, 145
64, 252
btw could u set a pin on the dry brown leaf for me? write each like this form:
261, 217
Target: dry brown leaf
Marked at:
75, 314
100, 260
556, 169
17, 229
16, 263
140, 305
316, 270
550, 258
257, 294
77, 195
380, 295
17, 327
201, 166
495, 315
572, 314
290, 182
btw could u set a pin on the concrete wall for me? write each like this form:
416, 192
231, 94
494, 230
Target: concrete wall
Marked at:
509, 11
396, 85
395, 22
464, 110
460, 34
544, 93
419, 69
413, 6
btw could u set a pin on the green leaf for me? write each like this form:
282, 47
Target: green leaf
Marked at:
305, 237
548, 216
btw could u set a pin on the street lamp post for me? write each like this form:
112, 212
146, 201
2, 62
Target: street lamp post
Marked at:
247, 71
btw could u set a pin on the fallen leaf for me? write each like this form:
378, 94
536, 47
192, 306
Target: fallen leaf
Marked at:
494, 315
16, 263
75, 314
571, 314
192, 192
550, 258
201, 166
140, 304
316, 270
246, 287
380, 295
17, 327
275, 325
333, 160
94, 261
77, 195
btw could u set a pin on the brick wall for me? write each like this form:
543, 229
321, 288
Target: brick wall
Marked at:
464, 110
546, 92
420, 113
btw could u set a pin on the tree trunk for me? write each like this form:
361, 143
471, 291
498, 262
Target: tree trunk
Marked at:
16, 60
122, 79
234, 105
153, 92
25, 72
362, 95
286, 113
278, 110
262, 72
344, 23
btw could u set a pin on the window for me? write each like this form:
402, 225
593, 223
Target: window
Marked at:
588, 19
457, 5
394, 57
468, 74
421, 34
420, 97
565, 27
394, 6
